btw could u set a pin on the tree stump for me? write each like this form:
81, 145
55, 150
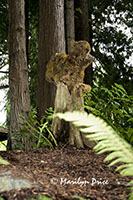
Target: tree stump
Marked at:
64, 101
67, 73
63, 131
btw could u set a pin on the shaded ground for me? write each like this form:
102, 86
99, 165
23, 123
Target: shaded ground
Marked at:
63, 173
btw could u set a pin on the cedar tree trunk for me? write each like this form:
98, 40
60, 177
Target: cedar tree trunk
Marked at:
51, 41
83, 30
70, 27
18, 73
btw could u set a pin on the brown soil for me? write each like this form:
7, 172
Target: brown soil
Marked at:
63, 173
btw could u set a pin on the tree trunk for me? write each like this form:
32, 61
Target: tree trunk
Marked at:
18, 73
63, 131
27, 28
81, 20
83, 30
70, 27
51, 41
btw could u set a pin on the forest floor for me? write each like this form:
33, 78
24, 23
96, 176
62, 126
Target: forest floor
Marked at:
63, 173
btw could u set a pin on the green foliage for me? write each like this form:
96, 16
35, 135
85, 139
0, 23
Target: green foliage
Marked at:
7, 107
115, 106
39, 130
44, 198
78, 10
108, 140
3, 162
41, 197
3, 81
3, 145
112, 42
79, 198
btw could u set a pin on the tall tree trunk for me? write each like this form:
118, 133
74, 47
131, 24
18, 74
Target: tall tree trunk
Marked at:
51, 41
27, 28
18, 73
83, 30
70, 27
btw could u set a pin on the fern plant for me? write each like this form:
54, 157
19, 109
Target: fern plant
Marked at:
40, 133
108, 140
115, 106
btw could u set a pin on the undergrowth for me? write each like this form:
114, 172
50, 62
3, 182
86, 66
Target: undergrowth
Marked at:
39, 130
115, 106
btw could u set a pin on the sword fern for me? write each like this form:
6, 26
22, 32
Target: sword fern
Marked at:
108, 140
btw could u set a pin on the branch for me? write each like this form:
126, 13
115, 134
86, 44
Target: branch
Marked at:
3, 72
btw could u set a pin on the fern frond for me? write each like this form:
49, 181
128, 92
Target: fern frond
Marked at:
108, 139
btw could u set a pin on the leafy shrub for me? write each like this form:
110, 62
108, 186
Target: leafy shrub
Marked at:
40, 133
108, 140
115, 106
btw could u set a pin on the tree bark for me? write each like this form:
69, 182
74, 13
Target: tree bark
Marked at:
27, 28
70, 27
18, 74
81, 21
63, 131
51, 41
83, 30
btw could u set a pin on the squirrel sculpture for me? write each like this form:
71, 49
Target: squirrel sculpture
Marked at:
70, 68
